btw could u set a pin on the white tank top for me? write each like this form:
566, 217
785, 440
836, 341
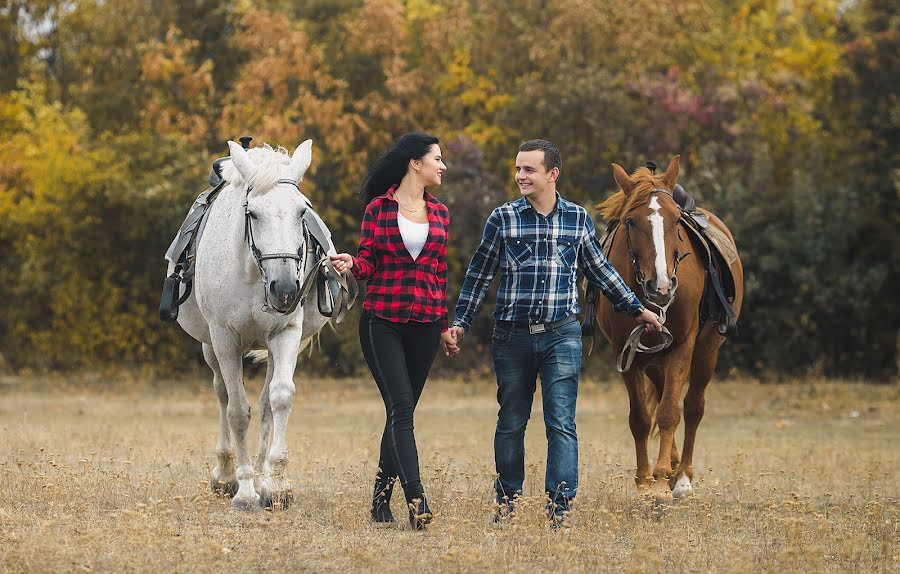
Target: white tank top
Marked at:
414, 235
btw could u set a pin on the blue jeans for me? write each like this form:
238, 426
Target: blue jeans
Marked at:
518, 359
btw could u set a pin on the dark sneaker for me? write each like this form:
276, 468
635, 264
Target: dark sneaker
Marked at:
505, 511
558, 513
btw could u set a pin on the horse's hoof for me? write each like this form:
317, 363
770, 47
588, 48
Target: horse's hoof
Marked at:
223, 489
682, 488
245, 505
279, 500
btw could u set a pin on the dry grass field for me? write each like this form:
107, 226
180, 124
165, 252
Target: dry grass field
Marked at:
111, 475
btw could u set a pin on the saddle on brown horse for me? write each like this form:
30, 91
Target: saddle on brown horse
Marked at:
714, 248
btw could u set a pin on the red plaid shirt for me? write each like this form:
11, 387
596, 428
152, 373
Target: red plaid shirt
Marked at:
402, 289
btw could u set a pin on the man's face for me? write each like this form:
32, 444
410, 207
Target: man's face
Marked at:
532, 176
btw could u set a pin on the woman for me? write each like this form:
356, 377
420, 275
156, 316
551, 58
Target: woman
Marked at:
402, 253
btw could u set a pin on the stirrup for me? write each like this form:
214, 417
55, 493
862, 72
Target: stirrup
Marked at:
168, 304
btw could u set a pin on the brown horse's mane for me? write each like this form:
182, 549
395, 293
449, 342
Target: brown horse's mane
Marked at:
617, 205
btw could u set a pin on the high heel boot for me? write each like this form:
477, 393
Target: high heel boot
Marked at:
381, 500
419, 513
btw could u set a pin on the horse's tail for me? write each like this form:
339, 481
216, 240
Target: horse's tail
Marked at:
257, 356
261, 355
651, 392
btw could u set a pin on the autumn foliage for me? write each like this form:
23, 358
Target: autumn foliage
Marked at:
784, 113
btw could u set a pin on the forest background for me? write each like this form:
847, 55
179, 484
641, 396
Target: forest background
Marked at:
785, 114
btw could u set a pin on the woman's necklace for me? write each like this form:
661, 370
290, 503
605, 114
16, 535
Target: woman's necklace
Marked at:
408, 209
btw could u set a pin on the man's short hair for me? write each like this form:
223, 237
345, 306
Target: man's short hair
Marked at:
551, 153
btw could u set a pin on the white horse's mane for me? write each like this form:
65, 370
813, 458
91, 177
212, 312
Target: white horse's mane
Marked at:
269, 165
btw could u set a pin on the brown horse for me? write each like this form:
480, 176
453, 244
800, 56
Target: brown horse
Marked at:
654, 254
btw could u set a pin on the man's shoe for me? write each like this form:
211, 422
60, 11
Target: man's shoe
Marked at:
558, 513
504, 511
419, 513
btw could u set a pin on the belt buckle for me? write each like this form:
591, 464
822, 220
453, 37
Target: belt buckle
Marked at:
535, 329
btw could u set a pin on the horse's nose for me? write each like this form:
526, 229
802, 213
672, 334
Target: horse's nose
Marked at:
659, 294
283, 292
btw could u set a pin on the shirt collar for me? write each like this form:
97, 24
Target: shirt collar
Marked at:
561, 204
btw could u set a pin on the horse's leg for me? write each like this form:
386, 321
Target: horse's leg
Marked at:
640, 421
222, 479
702, 368
674, 459
228, 355
668, 416
658, 378
265, 419
274, 486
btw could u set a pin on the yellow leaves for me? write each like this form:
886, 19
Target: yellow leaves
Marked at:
285, 93
180, 92
417, 10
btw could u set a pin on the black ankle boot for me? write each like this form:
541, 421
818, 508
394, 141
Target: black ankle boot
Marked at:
419, 513
381, 500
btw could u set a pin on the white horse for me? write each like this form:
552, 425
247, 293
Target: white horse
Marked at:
253, 257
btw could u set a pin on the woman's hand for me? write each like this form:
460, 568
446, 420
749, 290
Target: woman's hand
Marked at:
449, 344
343, 262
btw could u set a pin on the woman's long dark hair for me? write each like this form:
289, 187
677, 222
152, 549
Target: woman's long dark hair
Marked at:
391, 167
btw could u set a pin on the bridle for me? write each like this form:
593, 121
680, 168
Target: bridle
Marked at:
259, 257
633, 345
636, 266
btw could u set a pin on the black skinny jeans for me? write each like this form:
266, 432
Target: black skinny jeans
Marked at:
399, 356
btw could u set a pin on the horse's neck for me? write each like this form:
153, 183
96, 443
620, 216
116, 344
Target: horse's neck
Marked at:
230, 236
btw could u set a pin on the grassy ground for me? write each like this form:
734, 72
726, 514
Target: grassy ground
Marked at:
111, 475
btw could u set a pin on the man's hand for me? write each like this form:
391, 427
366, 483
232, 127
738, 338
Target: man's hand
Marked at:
650, 321
458, 333
449, 343
342, 262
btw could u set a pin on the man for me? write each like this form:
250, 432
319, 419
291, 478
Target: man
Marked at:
537, 242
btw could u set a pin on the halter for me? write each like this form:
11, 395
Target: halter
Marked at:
315, 232
638, 273
633, 345
259, 257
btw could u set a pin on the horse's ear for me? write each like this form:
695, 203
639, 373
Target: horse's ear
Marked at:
241, 161
622, 178
300, 160
671, 175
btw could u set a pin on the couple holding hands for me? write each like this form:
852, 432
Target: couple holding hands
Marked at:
536, 243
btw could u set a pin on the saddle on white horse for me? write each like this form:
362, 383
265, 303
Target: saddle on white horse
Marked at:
335, 294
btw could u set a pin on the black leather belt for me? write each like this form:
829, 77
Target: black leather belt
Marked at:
535, 328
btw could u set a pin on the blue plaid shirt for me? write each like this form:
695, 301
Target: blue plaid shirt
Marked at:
538, 257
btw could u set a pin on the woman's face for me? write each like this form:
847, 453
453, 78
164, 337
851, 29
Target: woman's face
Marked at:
431, 167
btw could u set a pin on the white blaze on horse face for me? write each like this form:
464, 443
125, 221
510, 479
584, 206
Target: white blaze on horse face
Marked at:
659, 243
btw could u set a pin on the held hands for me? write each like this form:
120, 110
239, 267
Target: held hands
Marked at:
343, 262
650, 321
450, 340
458, 333
449, 343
